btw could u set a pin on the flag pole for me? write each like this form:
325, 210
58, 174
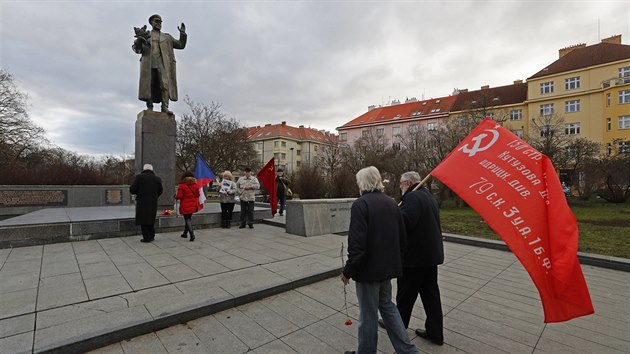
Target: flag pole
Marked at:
424, 180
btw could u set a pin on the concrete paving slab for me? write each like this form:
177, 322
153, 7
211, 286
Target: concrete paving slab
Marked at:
216, 337
18, 303
60, 290
106, 286
268, 319
275, 347
248, 331
178, 272
141, 276
14, 282
303, 342
21, 267
99, 269
161, 259
18, 344
17, 325
74, 312
148, 343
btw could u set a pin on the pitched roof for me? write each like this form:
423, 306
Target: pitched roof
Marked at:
585, 57
491, 97
403, 111
270, 131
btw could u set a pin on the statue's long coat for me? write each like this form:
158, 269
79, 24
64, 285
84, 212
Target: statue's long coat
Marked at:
167, 44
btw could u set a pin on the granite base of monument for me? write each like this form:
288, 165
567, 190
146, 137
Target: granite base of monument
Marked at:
155, 145
313, 217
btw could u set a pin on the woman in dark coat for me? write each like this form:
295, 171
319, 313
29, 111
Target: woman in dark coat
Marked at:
188, 195
147, 187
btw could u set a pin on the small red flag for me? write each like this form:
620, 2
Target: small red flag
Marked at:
267, 177
515, 188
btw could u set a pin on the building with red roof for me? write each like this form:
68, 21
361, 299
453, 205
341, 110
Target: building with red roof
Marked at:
291, 146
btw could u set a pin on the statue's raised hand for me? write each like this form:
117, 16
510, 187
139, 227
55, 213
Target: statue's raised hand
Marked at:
182, 28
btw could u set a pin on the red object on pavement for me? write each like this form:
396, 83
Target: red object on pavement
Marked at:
348, 322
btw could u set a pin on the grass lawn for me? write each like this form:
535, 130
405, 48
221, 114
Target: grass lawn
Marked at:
604, 227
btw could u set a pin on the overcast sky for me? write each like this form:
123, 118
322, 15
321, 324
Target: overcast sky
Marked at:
317, 63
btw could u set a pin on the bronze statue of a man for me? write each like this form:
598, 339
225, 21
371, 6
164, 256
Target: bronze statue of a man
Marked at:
158, 80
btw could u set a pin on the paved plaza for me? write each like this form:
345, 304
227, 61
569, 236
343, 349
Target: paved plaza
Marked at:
265, 291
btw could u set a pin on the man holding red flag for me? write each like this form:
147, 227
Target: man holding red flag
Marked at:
515, 188
267, 177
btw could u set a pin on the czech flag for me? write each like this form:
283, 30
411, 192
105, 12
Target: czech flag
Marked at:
204, 175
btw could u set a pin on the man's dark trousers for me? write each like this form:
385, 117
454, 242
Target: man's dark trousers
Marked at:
148, 232
423, 281
247, 213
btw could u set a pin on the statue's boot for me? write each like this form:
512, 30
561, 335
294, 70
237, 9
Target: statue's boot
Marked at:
150, 105
165, 102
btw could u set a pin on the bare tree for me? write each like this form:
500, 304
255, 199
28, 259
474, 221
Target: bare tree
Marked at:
547, 135
220, 140
19, 136
579, 153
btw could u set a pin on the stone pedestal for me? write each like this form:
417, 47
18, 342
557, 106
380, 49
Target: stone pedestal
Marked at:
155, 144
314, 217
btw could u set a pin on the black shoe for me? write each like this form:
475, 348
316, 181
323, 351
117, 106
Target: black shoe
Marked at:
381, 323
183, 236
349, 352
423, 334
251, 226
145, 240
241, 227
192, 238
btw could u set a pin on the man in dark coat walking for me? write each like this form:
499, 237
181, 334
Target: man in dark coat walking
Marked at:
425, 250
147, 187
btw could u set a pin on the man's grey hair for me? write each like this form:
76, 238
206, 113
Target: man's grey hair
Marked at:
412, 176
369, 180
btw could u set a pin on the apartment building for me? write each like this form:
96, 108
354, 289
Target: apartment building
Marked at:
292, 147
503, 103
589, 87
390, 123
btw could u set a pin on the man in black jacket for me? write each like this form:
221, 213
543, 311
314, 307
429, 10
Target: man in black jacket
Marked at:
147, 187
375, 242
424, 252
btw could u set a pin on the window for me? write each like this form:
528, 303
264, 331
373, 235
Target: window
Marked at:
624, 147
572, 83
572, 128
546, 87
624, 122
298, 152
343, 137
298, 163
546, 131
276, 156
396, 130
624, 74
259, 146
572, 106
609, 148
607, 100
276, 144
571, 152
283, 144
519, 133
431, 126
380, 131
608, 124
413, 128
314, 147
546, 109
396, 146
283, 156
365, 133
624, 96
516, 114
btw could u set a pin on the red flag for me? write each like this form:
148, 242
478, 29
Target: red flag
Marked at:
516, 190
267, 176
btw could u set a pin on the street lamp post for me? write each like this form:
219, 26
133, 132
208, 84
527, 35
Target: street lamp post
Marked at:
291, 160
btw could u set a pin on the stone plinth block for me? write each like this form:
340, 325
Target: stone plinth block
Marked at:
155, 144
313, 217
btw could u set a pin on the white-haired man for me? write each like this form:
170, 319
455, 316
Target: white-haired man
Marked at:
375, 240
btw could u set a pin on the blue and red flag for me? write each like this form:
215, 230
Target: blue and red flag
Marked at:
204, 175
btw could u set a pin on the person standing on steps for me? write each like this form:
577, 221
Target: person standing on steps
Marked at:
147, 187
188, 195
247, 186
227, 194
281, 190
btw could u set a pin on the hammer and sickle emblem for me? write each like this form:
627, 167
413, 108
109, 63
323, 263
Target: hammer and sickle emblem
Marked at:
477, 145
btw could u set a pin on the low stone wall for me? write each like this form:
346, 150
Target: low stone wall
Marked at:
18, 200
313, 217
